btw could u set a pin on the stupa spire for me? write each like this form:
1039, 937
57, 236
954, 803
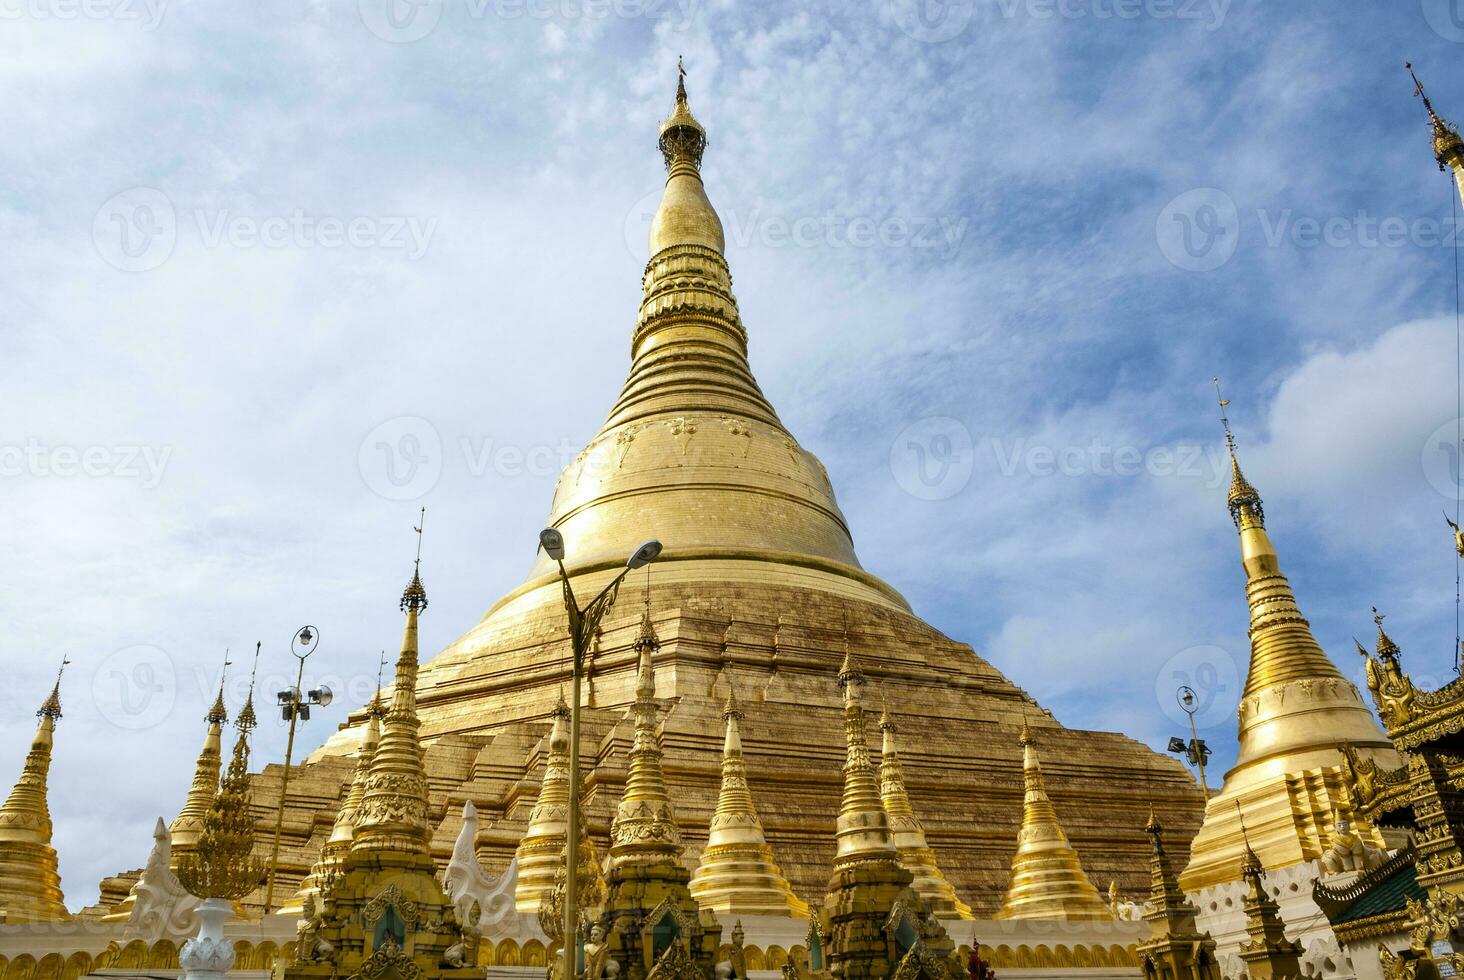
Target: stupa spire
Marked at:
1295, 708
1266, 950
541, 849
185, 829
644, 829
30, 884
909, 835
862, 828
737, 873
1448, 146
393, 810
1176, 946
1048, 881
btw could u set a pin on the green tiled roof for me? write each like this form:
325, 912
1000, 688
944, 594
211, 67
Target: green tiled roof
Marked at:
1388, 894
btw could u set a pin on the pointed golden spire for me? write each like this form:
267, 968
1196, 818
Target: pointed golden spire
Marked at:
909, 835
393, 810
1448, 147
1048, 881
30, 884
737, 873
644, 829
541, 849
1175, 944
222, 863
1266, 950
1295, 708
188, 825
862, 829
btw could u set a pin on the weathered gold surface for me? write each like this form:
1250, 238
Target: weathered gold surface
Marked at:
1048, 881
1295, 710
30, 885
737, 874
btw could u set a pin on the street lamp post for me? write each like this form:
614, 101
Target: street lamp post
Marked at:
582, 625
1196, 750
293, 707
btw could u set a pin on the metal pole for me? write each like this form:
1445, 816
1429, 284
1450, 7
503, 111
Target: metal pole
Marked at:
571, 876
274, 854
1199, 754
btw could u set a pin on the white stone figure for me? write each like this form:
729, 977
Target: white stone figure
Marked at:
310, 945
161, 906
467, 884
598, 964
1349, 851
209, 956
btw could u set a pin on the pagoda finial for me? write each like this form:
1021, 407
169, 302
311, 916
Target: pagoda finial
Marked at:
730, 708
414, 598
1243, 499
1048, 881
51, 707
1448, 147
188, 826
683, 139
218, 715
393, 810
1387, 649
246, 720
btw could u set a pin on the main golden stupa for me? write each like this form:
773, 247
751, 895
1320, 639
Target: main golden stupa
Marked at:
759, 589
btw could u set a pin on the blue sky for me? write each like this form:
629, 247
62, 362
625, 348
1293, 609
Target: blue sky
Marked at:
246, 244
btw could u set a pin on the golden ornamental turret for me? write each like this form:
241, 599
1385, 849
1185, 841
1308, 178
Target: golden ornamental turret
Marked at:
541, 850
393, 810
1448, 147
188, 825
1266, 950
343, 832
644, 829
909, 835
1295, 708
1176, 947
30, 884
869, 887
737, 874
1048, 881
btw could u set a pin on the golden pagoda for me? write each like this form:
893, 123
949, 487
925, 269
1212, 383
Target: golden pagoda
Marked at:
1267, 953
188, 825
877, 925
384, 913
1295, 709
30, 884
1176, 947
909, 836
758, 576
541, 851
1048, 881
737, 874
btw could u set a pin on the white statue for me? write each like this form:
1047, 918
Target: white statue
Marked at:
1349, 851
468, 884
598, 964
161, 906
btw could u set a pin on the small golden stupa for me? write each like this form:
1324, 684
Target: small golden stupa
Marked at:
30, 884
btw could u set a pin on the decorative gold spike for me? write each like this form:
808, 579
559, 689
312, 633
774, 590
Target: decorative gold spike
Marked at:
30, 884
1048, 881
188, 825
541, 850
737, 873
644, 829
222, 863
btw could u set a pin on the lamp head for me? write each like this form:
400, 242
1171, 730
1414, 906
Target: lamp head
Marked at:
645, 554
1177, 745
553, 543
322, 695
